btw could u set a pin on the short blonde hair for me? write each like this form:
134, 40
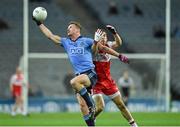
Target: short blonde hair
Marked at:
76, 23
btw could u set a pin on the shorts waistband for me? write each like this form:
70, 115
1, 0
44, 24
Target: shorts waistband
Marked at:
85, 72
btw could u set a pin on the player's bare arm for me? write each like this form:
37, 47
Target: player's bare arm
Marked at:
11, 89
55, 38
11, 85
98, 36
94, 48
107, 50
117, 38
98, 46
117, 42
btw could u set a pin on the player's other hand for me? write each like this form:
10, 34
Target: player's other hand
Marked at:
123, 58
111, 29
37, 22
98, 35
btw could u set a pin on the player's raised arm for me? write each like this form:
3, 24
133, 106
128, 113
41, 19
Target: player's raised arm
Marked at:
113, 52
55, 38
118, 40
98, 36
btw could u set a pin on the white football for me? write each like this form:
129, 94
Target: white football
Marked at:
40, 13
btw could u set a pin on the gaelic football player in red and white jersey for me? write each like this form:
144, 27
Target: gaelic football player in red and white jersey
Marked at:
16, 84
105, 84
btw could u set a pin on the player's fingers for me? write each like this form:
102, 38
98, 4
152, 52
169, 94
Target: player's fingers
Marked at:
127, 60
98, 30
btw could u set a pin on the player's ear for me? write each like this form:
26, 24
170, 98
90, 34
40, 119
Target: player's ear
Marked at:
79, 30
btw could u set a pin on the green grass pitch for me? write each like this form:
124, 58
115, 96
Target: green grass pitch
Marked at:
75, 119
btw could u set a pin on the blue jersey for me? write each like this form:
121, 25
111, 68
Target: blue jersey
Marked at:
79, 53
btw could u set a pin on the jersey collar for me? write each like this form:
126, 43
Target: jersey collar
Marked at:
76, 38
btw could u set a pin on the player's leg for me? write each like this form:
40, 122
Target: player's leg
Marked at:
115, 95
20, 99
79, 83
122, 107
125, 95
21, 106
15, 106
85, 111
16, 98
99, 102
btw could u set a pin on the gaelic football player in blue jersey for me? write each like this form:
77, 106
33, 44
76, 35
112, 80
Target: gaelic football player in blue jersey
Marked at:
78, 49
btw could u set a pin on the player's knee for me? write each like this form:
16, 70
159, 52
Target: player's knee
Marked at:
73, 83
100, 108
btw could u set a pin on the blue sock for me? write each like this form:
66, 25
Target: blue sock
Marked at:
89, 122
83, 92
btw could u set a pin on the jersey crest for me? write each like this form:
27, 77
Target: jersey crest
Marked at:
77, 51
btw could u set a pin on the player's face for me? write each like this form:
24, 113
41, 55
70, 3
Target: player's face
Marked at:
18, 71
72, 29
104, 39
126, 75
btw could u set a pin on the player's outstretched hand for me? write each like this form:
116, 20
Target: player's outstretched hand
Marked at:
37, 22
123, 58
111, 29
98, 35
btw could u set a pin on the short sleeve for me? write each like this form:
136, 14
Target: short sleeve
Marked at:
89, 41
63, 41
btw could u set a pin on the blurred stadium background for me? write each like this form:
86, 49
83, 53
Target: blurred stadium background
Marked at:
142, 26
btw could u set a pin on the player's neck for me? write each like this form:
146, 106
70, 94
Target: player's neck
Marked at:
75, 37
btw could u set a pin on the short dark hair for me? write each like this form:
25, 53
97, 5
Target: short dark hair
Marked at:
104, 30
76, 23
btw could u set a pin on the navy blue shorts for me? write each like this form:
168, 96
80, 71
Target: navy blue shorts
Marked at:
92, 77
